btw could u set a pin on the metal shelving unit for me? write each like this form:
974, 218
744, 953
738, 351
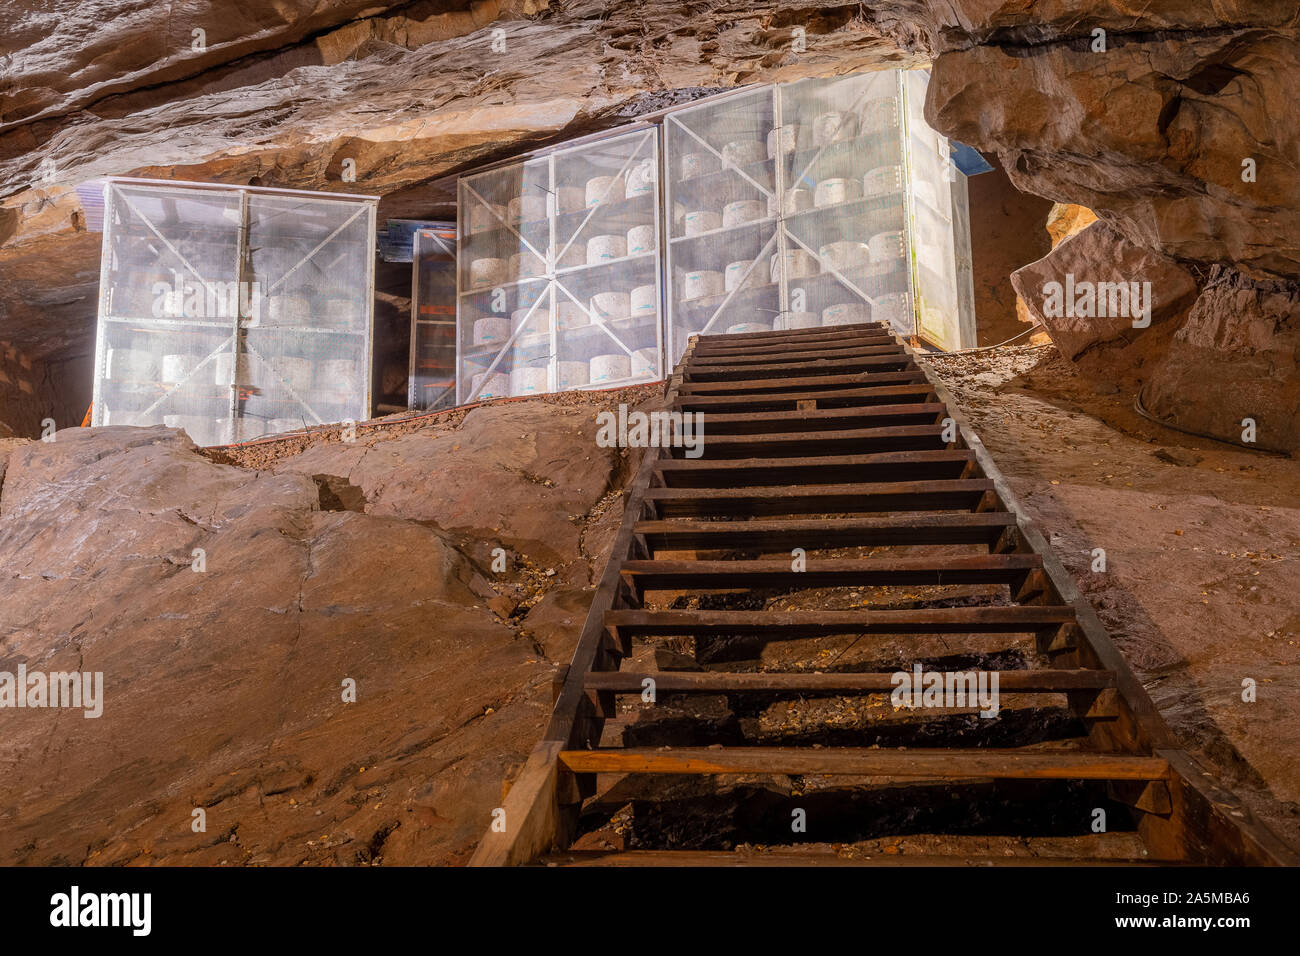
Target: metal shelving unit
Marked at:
558, 279
432, 378
809, 204
233, 312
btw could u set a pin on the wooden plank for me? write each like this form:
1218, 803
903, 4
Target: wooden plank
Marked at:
934, 763
888, 387
531, 813
1002, 619
914, 528
961, 494
821, 420
707, 344
722, 682
740, 373
863, 572
823, 469
791, 383
893, 437
794, 354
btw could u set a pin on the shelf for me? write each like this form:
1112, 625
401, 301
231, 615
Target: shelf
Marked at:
752, 225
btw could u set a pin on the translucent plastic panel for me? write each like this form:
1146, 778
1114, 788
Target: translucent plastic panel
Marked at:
433, 320
558, 271
932, 178
170, 298
606, 310
305, 354
721, 203
843, 204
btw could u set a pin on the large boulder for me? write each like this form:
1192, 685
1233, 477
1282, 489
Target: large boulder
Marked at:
1091, 329
1236, 357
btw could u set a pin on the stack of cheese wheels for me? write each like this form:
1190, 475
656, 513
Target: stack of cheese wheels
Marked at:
741, 211
796, 200
489, 385
526, 265
484, 217
612, 367
485, 273
799, 263
605, 249
608, 306
526, 208
782, 140
699, 221
640, 179
604, 189
640, 240
538, 323
571, 374
741, 327
570, 315
743, 152
702, 282
832, 192
834, 127
570, 198
697, 164
883, 181
528, 380
895, 308
740, 271
490, 330
888, 250
644, 300
880, 115
845, 255
846, 313
645, 363
798, 320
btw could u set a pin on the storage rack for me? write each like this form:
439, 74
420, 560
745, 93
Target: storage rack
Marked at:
233, 312
432, 378
558, 282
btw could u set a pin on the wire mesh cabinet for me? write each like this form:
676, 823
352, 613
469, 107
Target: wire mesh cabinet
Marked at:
233, 312
558, 279
790, 206
433, 318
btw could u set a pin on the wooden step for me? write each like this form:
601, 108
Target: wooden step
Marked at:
822, 420
959, 494
1000, 619
824, 469
708, 343
698, 576
793, 383
885, 437
926, 762
887, 388
789, 354
892, 361
915, 528
722, 682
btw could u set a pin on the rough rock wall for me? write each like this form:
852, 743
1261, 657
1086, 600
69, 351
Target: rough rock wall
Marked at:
1172, 119
223, 681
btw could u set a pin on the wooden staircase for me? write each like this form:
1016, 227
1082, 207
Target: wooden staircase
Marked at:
833, 440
